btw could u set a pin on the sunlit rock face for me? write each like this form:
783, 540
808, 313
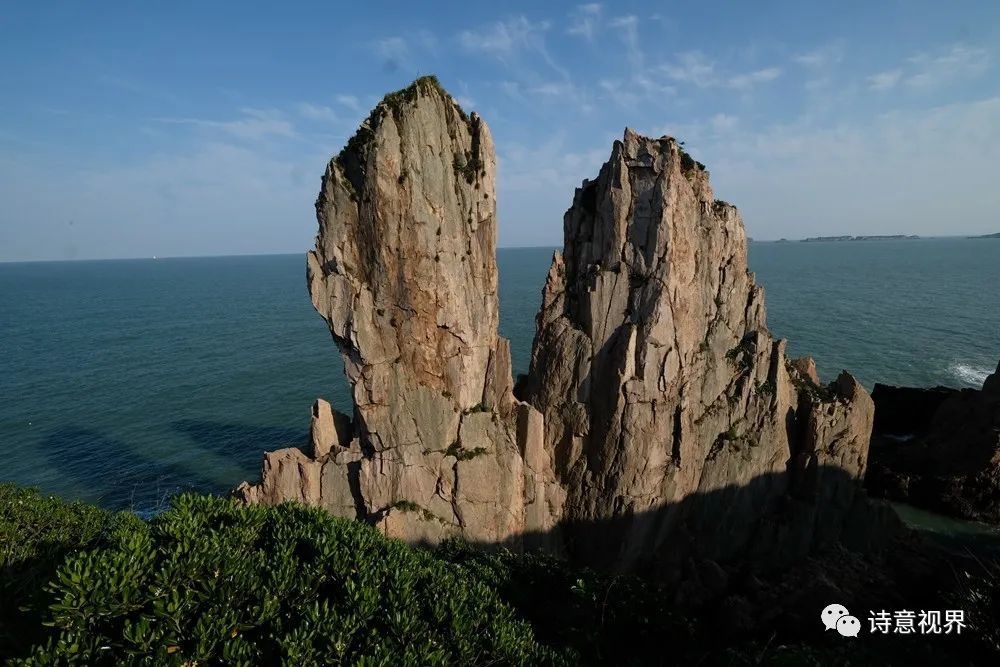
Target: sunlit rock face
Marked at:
404, 272
659, 421
676, 423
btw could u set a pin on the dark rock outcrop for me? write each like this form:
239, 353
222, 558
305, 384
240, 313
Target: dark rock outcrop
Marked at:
660, 424
939, 449
906, 412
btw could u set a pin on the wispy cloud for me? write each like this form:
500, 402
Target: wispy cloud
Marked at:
885, 80
751, 79
549, 92
504, 39
397, 52
349, 101
821, 58
392, 48
695, 68
317, 112
875, 159
518, 43
927, 70
255, 124
692, 67
629, 29
958, 62
722, 122
585, 20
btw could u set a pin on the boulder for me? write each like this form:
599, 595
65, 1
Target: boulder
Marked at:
806, 367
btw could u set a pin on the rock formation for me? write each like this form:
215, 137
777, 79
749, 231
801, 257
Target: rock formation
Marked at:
939, 448
404, 272
660, 421
676, 423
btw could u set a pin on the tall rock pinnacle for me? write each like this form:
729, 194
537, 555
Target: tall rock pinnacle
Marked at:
404, 272
660, 421
674, 419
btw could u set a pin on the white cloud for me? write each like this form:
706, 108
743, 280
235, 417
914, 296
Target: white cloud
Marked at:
317, 112
751, 79
885, 80
548, 93
629, 27
928, 70
821, 58
694, 68
505, 38
536, 183
255, 124
868, 176
393, 49
396, 51
584, 20
520, 45
722, 122
349, 101
959, 62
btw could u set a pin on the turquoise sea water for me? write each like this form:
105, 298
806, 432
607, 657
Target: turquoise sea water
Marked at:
124, 381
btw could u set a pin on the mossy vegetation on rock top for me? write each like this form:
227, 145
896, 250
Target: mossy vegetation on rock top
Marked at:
394, 103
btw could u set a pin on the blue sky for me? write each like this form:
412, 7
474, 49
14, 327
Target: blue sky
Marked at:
175, 128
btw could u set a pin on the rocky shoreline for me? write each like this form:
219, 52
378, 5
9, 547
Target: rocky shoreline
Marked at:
938, 449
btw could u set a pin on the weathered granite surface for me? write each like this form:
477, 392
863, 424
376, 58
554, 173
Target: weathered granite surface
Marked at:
660, 421
404, 272
675, 420
939, 449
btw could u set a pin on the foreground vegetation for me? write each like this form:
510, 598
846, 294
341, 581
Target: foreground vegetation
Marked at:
212, 582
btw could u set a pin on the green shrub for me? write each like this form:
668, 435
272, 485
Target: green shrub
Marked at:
212, 582
36, 534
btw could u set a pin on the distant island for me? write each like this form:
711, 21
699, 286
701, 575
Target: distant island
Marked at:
881, 237
987, 236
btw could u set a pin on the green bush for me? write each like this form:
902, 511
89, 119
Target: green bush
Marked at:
212, 582
36, 534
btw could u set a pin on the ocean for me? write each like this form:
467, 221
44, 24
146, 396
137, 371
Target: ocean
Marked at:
123, 382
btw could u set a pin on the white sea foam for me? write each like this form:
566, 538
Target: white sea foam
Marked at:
968, 375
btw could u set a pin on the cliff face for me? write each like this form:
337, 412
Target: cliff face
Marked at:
660, 420
404, 273
674, 419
